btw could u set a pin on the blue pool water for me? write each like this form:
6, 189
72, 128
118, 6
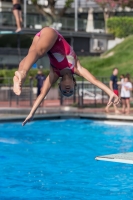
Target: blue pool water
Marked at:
55, 160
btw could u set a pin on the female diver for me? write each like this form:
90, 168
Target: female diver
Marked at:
63, 63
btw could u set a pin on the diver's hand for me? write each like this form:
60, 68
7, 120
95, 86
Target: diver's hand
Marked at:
18, 80
113, 99
28, 119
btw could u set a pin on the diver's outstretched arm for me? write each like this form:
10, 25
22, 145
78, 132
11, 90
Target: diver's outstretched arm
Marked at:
81, 71
50, 80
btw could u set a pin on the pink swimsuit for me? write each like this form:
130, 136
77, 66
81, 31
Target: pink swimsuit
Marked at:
61, 55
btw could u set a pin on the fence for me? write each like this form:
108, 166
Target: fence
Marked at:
85, 95
7, 19
63, 23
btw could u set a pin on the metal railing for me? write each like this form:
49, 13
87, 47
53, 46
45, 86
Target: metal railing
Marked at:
85, 95
63, 23
7, 19
68, 24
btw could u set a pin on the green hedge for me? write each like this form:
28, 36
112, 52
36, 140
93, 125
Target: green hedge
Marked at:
121, 27
6, 75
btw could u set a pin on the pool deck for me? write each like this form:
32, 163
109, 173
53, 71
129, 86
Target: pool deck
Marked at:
19, 114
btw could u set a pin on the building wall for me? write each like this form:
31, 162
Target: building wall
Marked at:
81, 4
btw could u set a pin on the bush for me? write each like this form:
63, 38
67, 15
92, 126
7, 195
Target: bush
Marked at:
1, 78
6, 75
121, 27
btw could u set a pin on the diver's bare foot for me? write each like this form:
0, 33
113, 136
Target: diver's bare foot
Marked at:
16, 86
18, 30
18, 79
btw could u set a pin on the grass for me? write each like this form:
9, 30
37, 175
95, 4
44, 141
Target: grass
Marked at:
122, 58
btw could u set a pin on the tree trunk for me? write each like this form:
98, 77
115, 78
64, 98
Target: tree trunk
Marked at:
106, 17
44, 13
66, 6
52, 7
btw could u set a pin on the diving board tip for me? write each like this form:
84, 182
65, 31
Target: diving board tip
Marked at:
120, 158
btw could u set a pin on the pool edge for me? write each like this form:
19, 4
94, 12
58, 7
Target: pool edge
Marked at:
60, 115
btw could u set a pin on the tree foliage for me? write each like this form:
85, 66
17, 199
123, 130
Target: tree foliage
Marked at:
110, 6
121, 27
124, 3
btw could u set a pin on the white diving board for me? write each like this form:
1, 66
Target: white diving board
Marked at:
10, 32
6, 32
120, 158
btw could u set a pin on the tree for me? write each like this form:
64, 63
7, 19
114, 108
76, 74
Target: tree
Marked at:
51, 12
109, 6
124, 3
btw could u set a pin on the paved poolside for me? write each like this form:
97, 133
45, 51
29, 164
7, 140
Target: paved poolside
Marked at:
19, 114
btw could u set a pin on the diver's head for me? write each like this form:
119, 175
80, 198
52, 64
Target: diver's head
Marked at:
67, 85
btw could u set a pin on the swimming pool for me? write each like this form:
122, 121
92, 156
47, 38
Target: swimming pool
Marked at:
54, 159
